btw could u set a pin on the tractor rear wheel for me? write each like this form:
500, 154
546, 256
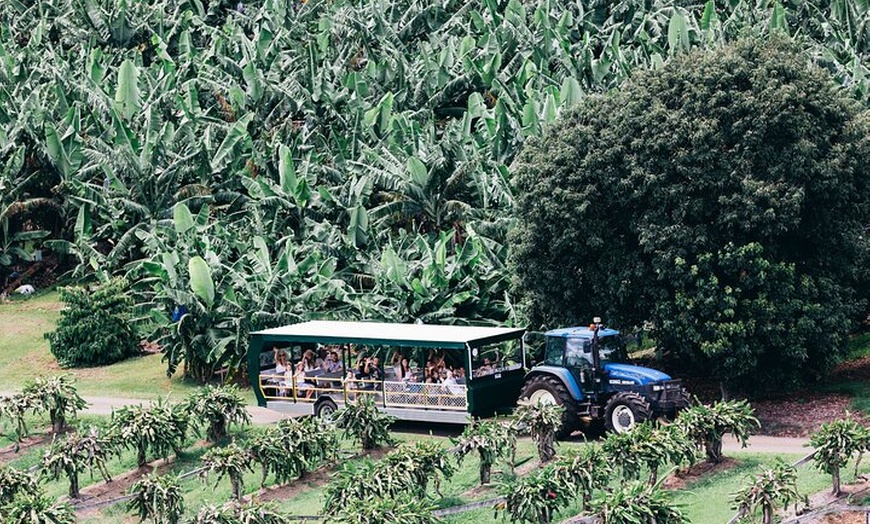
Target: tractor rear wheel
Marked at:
548, 389
625, 410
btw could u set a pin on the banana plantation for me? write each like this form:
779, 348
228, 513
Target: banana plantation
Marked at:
245, 164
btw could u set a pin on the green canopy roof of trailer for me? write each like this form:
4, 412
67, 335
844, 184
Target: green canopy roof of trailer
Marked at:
387, 334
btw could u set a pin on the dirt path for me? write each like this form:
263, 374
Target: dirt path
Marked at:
105, 405
767, 444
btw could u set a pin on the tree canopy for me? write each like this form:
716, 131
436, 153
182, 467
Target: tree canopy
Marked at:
723, 197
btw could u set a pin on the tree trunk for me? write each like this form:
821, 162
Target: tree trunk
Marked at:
836, 477
58, 422
217, 431
140, 457
544, 516
73, 476
714, 450
485, 470
236, 484
767, 514
546, 447
653, 475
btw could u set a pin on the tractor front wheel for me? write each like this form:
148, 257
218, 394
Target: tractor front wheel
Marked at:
625, 410
548, 389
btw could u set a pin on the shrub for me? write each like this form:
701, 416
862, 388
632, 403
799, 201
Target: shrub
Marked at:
16, 407
401, 509
582, 473
248, 513
646, 445
637, 503
58, 396
159, 428
95, 326
534, 498
14, 482
217, 407
293, 447
773, 486
718, 197
363, 421
214, 515
157, 498
360, 480
260, 513
231, 461
422, 461
835, 443
37, 508
706, 425
76, 453
490, 439
542, 421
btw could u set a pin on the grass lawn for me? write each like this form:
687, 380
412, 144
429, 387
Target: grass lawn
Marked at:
24, 354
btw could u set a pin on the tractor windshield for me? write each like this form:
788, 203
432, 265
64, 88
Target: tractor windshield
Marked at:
612, 349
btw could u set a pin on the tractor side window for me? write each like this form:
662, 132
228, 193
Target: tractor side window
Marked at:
555, 348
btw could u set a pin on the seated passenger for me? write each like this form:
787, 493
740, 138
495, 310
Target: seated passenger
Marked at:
281, 363
485, 369
333, 363
302, 385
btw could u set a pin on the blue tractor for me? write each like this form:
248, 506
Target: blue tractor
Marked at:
585, 370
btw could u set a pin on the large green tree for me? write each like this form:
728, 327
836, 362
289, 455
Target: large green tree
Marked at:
723, 196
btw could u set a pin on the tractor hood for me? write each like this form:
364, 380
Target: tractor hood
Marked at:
635, 374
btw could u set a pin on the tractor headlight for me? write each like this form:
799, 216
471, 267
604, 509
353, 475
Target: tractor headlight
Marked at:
658, 388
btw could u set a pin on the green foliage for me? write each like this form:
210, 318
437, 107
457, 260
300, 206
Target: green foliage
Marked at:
232, 462
37, 508
835, 443
706, 425
401, 509
78, 452
14, 482
582, 473
217, 407
490, 439
719, 197
293, 447
58, 396
157, 498
159, 428
363, 421
360, 479
648, 446
214, 515
422, 462
95, 326
637, 503
260, 513
542, 421
16, 407
405, 471
535, 497
373, 151
776, 486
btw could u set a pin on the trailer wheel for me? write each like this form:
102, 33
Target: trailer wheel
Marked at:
547, 389
325, 409
625, 410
